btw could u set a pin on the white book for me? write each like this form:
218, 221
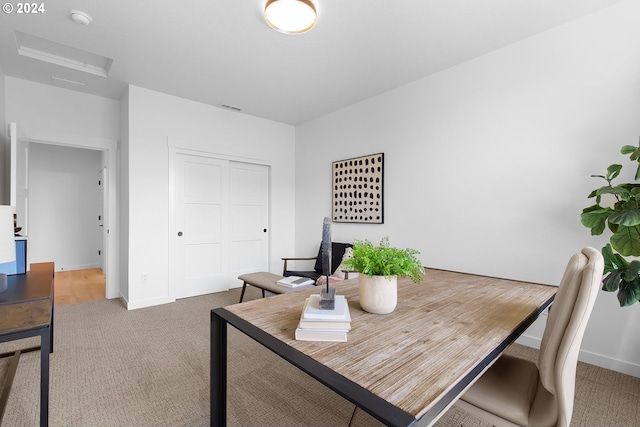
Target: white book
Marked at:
295, 281
312, 310
324, 324
320, 335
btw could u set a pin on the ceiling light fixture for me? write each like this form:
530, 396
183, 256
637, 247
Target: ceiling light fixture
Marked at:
290, 16
80, 17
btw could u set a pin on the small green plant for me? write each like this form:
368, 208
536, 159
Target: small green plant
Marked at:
384, 260
623, 220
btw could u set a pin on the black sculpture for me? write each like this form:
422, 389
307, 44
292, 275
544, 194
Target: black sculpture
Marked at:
327, 295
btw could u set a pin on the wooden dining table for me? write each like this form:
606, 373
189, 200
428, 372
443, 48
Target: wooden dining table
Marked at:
407, 366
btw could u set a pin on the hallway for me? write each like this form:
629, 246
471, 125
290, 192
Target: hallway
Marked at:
79, 285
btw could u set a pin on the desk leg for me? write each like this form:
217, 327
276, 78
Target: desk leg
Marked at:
51, 327
45, 349
218, 371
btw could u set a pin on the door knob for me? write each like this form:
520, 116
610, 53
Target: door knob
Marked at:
180, 233
265, 230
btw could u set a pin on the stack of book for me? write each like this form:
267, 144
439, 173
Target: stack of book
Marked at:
295, 281
324, 325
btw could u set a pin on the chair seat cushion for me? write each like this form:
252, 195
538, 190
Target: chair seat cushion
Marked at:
506, 389
269, 282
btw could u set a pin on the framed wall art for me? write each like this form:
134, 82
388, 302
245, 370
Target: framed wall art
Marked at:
357, 189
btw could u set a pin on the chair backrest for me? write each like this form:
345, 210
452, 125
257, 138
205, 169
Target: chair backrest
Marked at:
565, 328
337, 252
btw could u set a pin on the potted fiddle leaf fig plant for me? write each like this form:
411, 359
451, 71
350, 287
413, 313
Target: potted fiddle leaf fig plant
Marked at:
379, 268
621, 215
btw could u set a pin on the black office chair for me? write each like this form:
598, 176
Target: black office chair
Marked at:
337, 253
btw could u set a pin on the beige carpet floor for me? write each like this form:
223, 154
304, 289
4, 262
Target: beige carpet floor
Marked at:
150, 367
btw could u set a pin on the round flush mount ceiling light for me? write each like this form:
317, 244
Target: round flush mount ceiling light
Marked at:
290, 16
80, 17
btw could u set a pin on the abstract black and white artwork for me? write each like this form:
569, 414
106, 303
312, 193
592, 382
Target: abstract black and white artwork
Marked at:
357, 189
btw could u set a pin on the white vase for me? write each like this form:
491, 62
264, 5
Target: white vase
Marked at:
378, 294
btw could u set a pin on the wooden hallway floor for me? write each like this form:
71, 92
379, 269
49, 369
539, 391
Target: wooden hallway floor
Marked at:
79, 285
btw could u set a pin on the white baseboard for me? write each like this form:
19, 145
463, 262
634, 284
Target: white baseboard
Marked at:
529, 341
607, 362
76, 267
133, 305
611, 363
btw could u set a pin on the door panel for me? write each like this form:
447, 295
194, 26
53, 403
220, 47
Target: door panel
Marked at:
250, 218
201, 212
246, 220
202, 223
102, 209
19, 182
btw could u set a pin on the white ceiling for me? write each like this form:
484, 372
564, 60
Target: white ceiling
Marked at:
222, 52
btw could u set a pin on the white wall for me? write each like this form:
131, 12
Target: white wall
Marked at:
153, 120
123, 197
488, 164
4, 146
37, 107
64, 204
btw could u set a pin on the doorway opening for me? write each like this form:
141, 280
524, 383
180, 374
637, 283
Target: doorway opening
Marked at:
66, 199
20, 187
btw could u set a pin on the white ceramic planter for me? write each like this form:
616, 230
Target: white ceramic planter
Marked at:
378, 294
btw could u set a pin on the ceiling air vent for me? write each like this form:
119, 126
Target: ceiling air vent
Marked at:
60, 80
230, 107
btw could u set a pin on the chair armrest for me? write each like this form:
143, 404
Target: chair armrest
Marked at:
284, 267
346, 273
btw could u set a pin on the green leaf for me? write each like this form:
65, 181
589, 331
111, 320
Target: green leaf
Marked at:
613, 171
595, 219
609, 260
619, 262
628, 217
629, 292
611, 283
612, 260
628, 149
618, 190
631, 272
626, 241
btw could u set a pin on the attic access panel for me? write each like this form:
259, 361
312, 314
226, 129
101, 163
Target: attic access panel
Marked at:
357, 189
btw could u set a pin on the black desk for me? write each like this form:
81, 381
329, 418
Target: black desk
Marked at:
26, 310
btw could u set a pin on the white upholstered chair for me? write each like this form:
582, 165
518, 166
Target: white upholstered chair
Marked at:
517, 392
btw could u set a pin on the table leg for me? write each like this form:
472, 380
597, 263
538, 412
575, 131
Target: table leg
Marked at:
8, 381
244, 287
218, 402
51, 327
45, 349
